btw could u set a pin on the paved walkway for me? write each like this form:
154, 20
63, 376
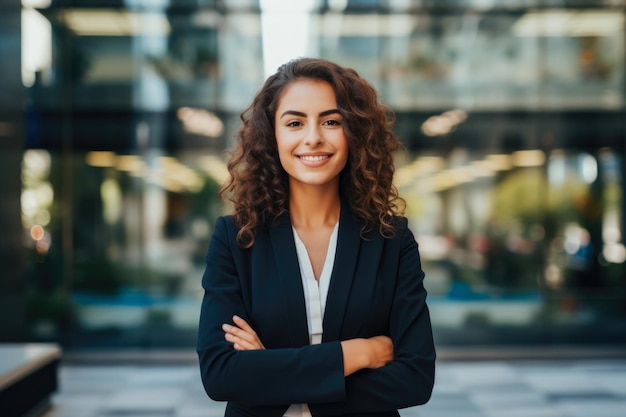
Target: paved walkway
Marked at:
572, 388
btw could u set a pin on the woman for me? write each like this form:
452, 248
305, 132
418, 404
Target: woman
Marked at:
314, 301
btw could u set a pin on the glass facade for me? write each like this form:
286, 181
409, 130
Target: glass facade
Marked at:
116, 115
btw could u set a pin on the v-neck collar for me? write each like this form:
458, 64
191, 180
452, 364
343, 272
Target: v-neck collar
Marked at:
285, 255
315, 292
305, 259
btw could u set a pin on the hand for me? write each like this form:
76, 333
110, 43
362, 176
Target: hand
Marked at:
241, 335
374, 352
381, 351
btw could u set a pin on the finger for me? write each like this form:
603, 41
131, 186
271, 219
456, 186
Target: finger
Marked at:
241, 323
237, 343
240, 333
241, 344
250, 335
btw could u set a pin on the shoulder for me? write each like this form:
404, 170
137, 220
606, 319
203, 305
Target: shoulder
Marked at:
400, 232
225, 222
402, 237
400, 223
225, 228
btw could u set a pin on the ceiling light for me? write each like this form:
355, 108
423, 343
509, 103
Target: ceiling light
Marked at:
561, 23
531, 158
499, 162
200, 122
114, 22
101, 159
369, 25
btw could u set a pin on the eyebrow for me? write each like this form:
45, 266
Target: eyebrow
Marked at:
301, 114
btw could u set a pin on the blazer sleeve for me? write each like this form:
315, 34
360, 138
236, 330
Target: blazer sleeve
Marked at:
259, 377
408, 380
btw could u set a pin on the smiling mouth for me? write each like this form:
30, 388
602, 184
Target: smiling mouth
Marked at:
313, 158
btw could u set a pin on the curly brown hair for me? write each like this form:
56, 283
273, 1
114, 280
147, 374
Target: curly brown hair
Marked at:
259, 186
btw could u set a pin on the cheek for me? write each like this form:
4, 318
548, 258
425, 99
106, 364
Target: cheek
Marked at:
344, 148
281, 144
344, 163
283, 152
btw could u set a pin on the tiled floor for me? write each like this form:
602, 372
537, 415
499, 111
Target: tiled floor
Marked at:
591, 388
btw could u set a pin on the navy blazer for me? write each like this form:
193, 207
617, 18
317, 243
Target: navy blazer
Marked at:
376, 288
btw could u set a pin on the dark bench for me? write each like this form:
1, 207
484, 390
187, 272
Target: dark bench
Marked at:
28, 376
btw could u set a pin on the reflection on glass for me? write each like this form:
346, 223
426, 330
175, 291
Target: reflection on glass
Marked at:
495, 244
36, 46
131, 108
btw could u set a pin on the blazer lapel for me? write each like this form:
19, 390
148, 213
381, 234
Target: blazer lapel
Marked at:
286, 258
348, 245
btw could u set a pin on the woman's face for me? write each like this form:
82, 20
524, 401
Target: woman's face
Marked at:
312, 146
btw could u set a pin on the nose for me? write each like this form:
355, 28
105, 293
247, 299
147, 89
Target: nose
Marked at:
313, 135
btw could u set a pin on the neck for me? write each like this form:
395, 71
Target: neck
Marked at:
314, 206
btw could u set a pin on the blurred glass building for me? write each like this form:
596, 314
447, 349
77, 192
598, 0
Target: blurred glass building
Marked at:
115, 115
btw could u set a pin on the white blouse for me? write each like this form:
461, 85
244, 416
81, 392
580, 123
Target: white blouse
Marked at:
315, 299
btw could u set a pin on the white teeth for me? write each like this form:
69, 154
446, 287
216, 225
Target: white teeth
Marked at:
314, 158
